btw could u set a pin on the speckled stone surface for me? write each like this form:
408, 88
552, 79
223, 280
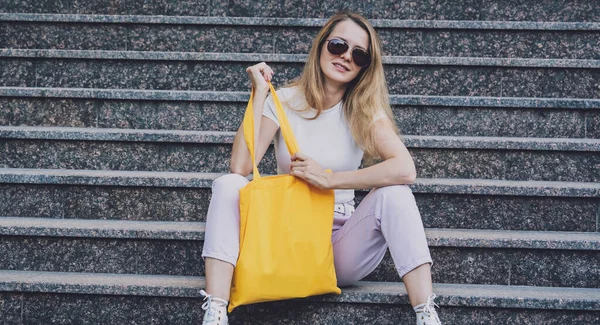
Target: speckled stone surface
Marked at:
97, 228
446, 81
174, 204
64, 36
242, 96
592, 127
504, 122
142, 203
208, 116
31, 200
52, 308
184, 157
231, 76
560, 268
368, 293
152, 75
170, 257
112, 203
508, 212
584, 10
203, 180
458, 163
68, 255
227, 116
383, 9
232, 39
512, 44
575, 167
127, 7
50, 112
574, 83
213, 158
17, 72
83, 309
300, 22
513, 165
83, 155
506, 267
10, 307
101, 255
300, 314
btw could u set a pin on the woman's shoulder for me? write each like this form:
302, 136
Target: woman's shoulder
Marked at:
287, 93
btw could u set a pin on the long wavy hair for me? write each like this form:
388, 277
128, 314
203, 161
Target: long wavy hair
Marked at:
365, 97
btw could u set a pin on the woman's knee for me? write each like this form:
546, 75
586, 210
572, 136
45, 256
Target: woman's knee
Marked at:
229, 182
395, 192
397, 200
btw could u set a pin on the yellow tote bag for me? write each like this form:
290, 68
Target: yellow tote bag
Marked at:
285, 232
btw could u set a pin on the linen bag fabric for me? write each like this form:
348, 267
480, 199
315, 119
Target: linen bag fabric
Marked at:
285, 231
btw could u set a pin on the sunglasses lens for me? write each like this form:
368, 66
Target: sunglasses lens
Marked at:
361, 58
337, 46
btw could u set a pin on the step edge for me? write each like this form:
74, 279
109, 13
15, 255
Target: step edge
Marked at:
299, 22
243, 96
221, 137
556, 63
176, 230
498, 296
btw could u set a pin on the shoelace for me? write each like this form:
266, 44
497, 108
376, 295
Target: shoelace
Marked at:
207, 305
429, 308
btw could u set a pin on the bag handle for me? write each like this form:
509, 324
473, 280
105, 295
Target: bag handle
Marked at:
284, 125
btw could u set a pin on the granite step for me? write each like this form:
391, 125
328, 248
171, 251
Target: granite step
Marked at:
208, 151
557, 259
43, 297
205, 74
229, 57
559, 40
223, 111
176, 196
582, 11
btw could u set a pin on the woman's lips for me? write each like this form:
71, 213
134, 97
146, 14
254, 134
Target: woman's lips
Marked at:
341, 67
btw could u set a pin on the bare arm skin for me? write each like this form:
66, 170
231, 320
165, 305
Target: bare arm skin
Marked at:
396, 168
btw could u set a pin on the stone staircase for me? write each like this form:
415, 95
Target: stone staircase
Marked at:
115, 117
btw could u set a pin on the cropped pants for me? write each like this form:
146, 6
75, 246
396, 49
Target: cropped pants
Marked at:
387, 217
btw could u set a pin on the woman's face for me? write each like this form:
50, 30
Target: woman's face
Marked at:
340, 69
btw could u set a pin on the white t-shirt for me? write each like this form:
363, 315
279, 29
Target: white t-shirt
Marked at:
326, 139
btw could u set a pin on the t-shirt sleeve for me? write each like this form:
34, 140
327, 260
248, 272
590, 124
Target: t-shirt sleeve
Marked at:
269, 110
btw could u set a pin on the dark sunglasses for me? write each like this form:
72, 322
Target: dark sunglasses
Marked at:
338, 46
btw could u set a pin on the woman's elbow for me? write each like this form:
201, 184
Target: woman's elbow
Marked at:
240, 169
407, 177
411, 178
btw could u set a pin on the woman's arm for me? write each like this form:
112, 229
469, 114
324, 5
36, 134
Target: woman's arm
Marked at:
264, 128
396, 168
240, 155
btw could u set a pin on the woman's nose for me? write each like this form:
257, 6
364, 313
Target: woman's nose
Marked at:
347, 55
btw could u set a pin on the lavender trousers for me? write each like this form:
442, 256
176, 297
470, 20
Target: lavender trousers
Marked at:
387, 217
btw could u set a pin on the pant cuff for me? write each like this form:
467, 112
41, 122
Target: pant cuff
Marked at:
402, 271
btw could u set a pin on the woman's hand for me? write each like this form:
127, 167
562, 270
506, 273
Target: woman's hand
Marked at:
260, 74
310, 171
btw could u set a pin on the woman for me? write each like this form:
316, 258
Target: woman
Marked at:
340, 114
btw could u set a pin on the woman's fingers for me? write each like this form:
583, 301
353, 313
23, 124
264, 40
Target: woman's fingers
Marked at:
299, 163
299, 156
260, 74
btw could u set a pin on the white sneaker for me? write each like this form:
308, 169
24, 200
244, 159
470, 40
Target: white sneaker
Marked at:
215, 310
426, 314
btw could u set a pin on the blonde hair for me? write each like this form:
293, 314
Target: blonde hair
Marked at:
366, 96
